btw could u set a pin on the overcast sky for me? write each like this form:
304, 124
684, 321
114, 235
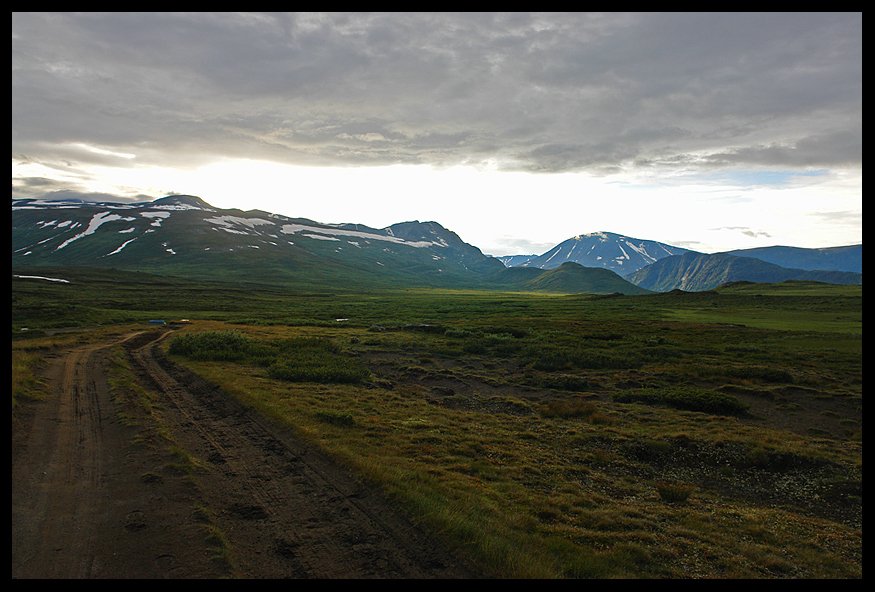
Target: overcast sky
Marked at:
515, 130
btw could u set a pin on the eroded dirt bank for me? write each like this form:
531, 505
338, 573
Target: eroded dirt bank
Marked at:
96, 495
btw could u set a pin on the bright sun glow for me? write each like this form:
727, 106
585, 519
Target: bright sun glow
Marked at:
531, 212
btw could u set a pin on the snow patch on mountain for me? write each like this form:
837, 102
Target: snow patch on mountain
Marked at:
96, 222
640, 251
179, 207
158, 217
227, 221
39, 277
331, 234
35, 204
616, 252
124, 244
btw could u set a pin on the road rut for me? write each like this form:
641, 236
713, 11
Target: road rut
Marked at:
91, 499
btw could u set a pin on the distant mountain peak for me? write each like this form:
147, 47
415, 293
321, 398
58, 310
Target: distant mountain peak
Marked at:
190, 201
607, 250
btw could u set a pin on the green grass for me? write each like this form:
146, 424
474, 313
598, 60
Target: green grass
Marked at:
658, 436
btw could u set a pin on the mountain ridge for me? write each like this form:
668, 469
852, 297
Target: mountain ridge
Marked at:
609, 250
844, 258
184, 235
700, 271
654, 266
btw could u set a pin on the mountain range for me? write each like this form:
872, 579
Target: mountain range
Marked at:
184, 235
693, 272
608, 250
659, 267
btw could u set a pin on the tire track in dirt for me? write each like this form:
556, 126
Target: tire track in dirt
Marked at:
287, 511
66, 475
83, 507
80, 508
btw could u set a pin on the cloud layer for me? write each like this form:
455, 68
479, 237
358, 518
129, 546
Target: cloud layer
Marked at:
598, 93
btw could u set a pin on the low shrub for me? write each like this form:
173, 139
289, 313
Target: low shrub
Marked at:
674, 493
299, 359
297, 344
560, 382
320, 369
762, 373
338, 418
228, 345
568, 408
687, 399
551, 358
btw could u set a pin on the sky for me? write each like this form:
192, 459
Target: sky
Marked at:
517, 131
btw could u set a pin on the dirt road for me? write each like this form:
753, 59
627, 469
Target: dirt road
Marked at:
95, 494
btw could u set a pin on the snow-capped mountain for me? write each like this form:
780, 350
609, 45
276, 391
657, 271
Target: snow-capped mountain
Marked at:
515, 260
621, 254
186, 235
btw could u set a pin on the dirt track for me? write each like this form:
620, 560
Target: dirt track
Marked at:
95, 497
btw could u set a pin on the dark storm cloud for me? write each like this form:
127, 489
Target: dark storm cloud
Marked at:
539, 92
840, 148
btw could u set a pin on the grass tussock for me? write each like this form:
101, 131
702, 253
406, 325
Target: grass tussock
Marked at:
674, 493
26, 383
686, 398
291, 359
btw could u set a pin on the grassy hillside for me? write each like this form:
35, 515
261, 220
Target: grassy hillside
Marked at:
568, 278
707, 434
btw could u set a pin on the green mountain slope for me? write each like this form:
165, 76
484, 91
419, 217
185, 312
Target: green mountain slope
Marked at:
567, 278
185, 236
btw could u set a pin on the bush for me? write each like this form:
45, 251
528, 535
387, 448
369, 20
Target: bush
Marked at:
315, 360
337, 418
333, 370
300, 359
674, 493
296, 344
686, 398
568, 408
211, 346
551, 358
762, 373
560, 382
